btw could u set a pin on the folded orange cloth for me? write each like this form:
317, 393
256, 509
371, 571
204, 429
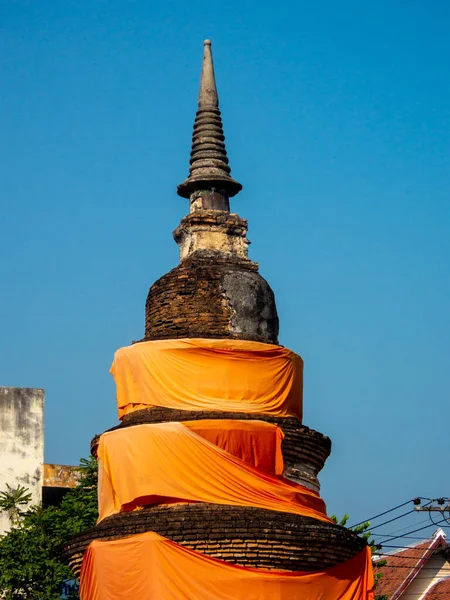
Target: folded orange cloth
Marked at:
167, 462
150, 567
209, 375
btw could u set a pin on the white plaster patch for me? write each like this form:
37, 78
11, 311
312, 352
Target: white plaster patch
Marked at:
21, 442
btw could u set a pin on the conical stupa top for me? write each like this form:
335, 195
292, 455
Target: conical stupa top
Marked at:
209, 162
207, 95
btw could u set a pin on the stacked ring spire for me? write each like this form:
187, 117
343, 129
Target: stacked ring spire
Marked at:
209, 165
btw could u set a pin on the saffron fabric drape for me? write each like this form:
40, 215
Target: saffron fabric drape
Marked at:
257, 443
150, 567
209, 375
167, 462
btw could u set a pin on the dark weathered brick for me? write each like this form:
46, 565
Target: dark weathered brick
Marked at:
274, 541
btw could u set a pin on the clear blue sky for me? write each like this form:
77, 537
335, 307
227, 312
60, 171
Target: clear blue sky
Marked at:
337, 119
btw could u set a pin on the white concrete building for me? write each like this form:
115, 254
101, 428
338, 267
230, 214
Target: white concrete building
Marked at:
21, 442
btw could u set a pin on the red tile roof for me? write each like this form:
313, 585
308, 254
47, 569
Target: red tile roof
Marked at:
439, 591
403, 565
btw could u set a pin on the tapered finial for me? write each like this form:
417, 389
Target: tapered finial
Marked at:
208, 90
209, 168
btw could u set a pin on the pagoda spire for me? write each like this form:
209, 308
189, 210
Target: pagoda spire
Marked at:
207, 95
209, 173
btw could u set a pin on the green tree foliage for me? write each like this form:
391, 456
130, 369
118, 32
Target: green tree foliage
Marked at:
30, 553
13, 501
363, 530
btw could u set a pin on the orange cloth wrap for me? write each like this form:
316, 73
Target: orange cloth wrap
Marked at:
166, 462
257, 443
203, 374
150, 567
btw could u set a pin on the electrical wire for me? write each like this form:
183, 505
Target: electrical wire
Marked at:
391, 520
381, 514
429, 501
410, 547
395, 519
402, 529
403, 556
431, 519
443, 569
408, 537
446, 519
396, 537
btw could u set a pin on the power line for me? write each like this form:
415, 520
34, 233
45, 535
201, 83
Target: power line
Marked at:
391, 520
403, 556
412, 568
396, 537
432, 520
410, 547
408, 537
381, 514
402, 529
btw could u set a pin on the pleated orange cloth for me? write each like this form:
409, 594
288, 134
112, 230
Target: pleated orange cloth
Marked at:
204, 374
167, 462
257, 443
150, 567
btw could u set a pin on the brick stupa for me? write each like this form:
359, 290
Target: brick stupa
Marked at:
217, 292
